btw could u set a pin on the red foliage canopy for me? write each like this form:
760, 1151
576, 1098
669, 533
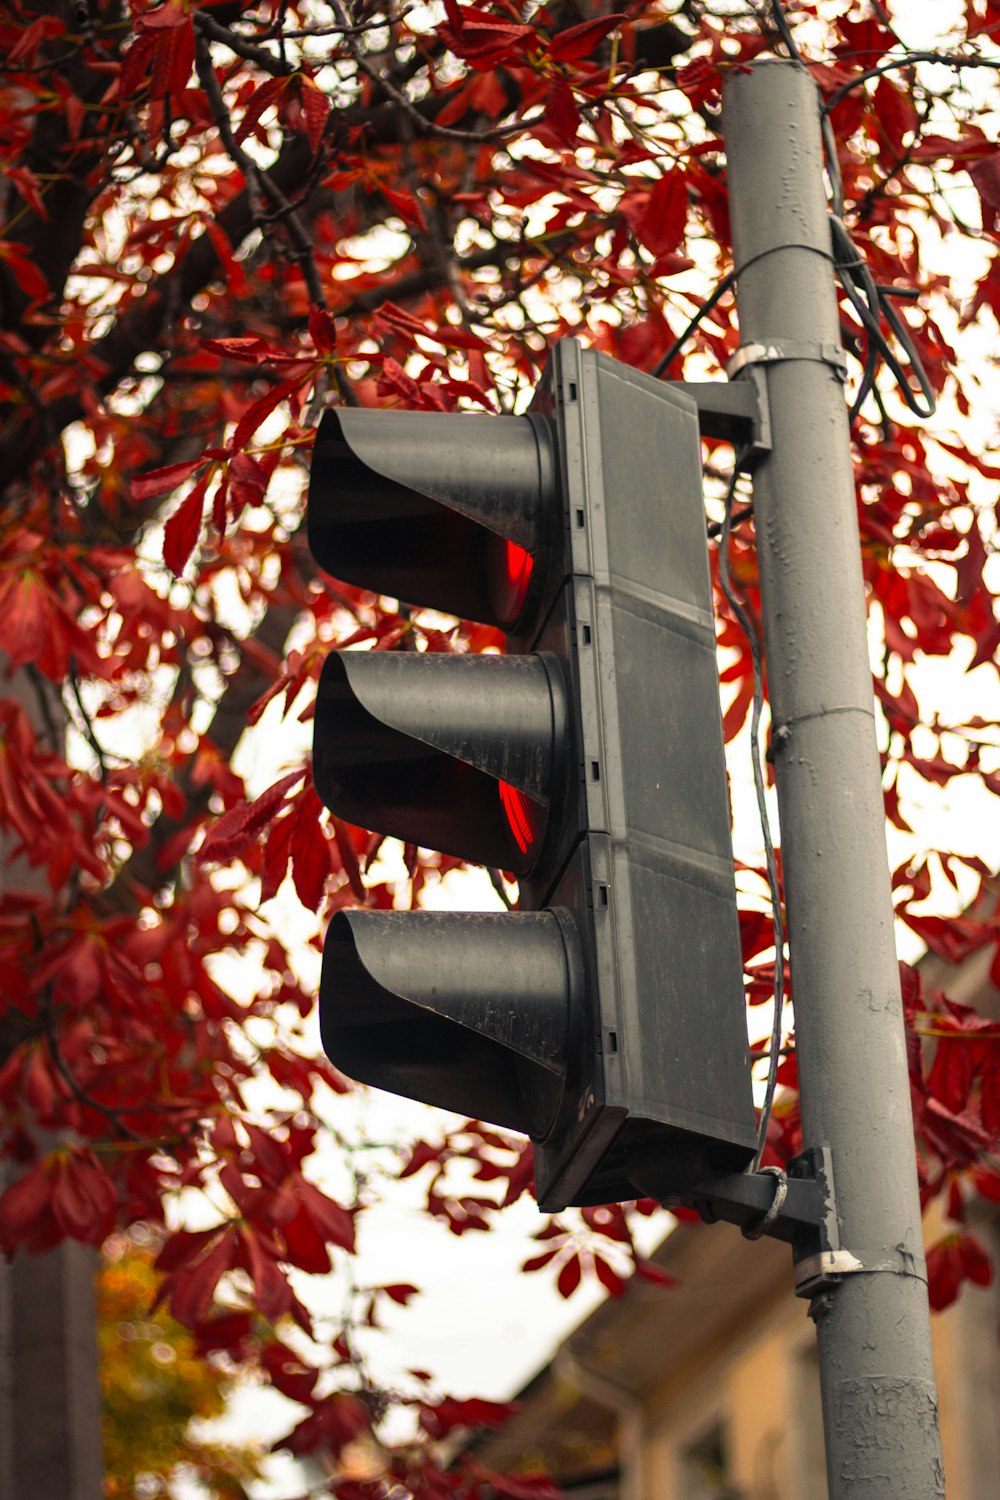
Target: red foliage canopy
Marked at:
216, 218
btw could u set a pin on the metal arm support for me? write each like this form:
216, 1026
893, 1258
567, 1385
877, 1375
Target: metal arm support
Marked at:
736, 412
806, 1218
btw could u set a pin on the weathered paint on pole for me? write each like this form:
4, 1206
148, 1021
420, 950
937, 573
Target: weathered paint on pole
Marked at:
879, 1394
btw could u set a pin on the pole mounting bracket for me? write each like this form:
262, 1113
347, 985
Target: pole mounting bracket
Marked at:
737, 412
796, 1205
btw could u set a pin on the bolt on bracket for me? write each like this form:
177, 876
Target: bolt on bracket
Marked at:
806, 1216
737, 411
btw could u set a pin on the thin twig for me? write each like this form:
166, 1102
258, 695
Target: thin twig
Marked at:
254, 174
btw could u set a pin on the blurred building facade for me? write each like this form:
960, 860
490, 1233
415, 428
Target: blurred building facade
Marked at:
710, 1391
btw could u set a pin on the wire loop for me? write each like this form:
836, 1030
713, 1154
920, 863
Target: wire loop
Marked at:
869, 300
763, 1224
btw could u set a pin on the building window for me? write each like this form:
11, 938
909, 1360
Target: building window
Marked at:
705, 1469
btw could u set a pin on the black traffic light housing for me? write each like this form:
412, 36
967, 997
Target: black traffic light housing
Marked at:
605, 1018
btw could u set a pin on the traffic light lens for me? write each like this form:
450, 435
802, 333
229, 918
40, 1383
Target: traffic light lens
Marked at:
511, 577
525, 816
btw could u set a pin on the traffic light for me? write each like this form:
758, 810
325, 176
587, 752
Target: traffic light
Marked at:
605, 1018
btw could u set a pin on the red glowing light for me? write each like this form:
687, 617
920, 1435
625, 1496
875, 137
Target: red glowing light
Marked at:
511, 579
524, 816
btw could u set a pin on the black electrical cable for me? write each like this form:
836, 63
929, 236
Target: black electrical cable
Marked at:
908, 60
871, 304
869, 300
667, 359
715, 528
781, 22
770, 858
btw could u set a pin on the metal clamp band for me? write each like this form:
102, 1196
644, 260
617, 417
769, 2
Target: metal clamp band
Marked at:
777, 351
826, 1268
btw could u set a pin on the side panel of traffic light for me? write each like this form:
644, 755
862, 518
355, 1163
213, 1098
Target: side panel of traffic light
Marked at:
653, 882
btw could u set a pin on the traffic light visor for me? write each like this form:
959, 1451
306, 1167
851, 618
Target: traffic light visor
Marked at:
456, 753
442, 510
474, 1012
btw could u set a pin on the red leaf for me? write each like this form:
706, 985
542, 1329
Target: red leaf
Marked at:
330, 1218
23, 1207
322, 329
349, 857
29, 43
260, 100
247, 482
442, 1417
237, 828
457, 106
569, 1277
953, 1071
288, 1373
272, 1294
29, 188
30, 614
310, 851
26, 273
394, 380
671, 264
231, 267
183, 1247
895, 113
661, 222
938, 770
407, 205
561, 114
334, 1421
943, 1275
991, 1073
970, 146
191, 1291
608, 1277
263, 407
164, 18
315, 111
276, 856
479, 37
987, 1183
956, 1258
651, 1272
975, 1262
736, 714
986, 176
403, 324
974, 23
156, 482
400, 1292
304, 1245
271, 1164
537, 1262
580, 41
181, 533
251, 350
957, 1138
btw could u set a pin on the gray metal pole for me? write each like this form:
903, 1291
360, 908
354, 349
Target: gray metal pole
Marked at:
50, 1399
879, 1395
